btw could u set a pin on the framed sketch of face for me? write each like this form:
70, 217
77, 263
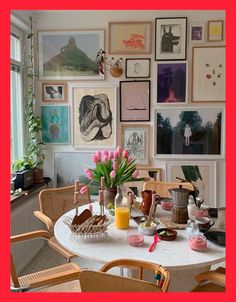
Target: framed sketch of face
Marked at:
137, 68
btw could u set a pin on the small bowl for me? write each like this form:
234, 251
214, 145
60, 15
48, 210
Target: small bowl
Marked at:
147, 230
135, 237
167, 234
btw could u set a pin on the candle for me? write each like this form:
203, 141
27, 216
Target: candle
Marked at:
122, 217
101, 201
77, 185
102, 183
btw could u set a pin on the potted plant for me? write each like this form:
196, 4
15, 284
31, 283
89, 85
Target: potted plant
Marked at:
35, 147
23, 173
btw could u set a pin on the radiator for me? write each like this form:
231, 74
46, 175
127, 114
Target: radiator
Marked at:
22, 221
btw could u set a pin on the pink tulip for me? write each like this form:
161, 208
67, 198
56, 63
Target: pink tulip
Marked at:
135, 174
95, 158
116, 154
84, 190
119, 150
110, 155
98, 154
105, 152
115, 166
89, 174
113, 174
105, 159
125, 154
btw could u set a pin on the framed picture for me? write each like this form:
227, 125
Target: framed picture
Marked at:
135, 138
197, 33
70, 55
196, 132
54, 92
208, 74
170, 38
134, 101
148, 173
55, 124
172, 82
201, 173
130, 37
77, 163
137, 68
215, 30
94, 117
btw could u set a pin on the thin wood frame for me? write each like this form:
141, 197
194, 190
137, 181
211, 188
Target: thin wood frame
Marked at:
208, 74
135, 138
215, 30
54, 92
130, 37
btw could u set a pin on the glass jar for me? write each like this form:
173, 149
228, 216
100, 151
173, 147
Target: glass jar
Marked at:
122, 212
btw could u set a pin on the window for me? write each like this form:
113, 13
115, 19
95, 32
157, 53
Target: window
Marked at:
17, 108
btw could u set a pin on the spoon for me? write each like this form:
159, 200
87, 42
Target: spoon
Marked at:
152, 246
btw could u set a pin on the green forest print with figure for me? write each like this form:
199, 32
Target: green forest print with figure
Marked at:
193, 132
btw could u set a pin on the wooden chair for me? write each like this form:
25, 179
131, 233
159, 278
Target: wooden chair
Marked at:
53, 203
91, 281
161, 188
211, 281
101, 281
161, 275
23, 283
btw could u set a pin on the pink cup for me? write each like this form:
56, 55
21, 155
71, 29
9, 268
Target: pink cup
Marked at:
135, 237
198, 243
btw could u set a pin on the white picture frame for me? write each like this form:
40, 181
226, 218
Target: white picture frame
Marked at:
204, 140
206, 186
197, 33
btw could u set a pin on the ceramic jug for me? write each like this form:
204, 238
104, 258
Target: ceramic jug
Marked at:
180, 196
146, 201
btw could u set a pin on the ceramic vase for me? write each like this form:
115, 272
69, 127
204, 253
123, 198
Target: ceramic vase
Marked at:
109, 196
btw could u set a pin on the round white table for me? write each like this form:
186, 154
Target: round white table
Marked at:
182, 262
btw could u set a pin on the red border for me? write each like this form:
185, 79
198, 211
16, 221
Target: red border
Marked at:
6, 7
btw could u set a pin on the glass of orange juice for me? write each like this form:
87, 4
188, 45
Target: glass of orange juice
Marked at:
122, 217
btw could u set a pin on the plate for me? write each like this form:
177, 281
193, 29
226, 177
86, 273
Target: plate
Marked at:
216, 237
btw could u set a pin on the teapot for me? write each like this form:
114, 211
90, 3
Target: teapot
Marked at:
180, 196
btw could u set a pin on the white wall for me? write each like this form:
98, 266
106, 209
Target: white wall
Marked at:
62, 20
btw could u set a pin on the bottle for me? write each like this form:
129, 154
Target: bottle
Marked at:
121, 211
192, 228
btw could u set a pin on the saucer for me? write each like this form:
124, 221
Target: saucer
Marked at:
216, 237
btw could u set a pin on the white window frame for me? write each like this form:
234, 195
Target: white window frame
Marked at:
18, 136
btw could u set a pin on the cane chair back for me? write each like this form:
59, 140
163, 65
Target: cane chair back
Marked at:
211, 281
23, 283
161, 276
162, 188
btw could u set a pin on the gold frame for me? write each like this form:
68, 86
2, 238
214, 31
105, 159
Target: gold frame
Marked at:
122, 38
63, 99
218, 37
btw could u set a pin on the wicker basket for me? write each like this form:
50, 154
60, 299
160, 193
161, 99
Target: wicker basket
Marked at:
88, 230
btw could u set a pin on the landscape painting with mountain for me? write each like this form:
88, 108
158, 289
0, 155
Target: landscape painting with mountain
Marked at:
195, 131
70, 54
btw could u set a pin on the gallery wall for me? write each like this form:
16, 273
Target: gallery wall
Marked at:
98, 20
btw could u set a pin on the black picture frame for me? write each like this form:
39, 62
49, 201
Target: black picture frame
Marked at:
135, 101
170, 39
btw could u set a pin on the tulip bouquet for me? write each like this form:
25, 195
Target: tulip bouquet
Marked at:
116, 167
